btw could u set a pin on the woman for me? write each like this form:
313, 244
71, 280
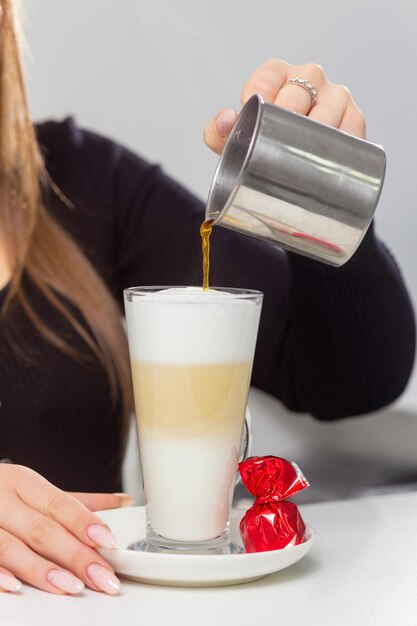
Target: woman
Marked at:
80, 219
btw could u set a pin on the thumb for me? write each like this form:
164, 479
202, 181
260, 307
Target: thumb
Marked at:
101, 501
218, 129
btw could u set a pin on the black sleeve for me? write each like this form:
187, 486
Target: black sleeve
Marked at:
333, 342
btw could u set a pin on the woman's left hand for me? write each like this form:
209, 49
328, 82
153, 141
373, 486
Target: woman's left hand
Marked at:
335, 105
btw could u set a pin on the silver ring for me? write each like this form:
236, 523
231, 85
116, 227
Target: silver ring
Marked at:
306, 85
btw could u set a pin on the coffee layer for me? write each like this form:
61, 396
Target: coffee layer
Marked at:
191, 400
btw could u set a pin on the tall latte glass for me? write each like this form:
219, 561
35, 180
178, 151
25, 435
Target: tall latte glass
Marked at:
191, 355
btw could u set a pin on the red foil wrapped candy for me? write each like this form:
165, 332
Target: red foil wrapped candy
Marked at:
272, 522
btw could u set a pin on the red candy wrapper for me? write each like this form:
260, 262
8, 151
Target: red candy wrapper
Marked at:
271, 523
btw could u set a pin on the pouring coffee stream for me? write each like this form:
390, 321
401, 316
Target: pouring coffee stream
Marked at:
205, 232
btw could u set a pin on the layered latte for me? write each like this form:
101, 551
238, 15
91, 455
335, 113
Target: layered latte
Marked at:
191, 355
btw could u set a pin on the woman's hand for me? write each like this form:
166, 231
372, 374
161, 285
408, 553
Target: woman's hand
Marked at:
48, 537
334, 105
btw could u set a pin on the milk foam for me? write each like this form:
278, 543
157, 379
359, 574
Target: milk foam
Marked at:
188, 325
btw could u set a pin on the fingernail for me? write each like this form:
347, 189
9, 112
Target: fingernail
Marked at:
9, 582
125, 499
101, 535
105, 580
64, 581
225, 122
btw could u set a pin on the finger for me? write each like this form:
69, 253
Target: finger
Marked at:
102, 501
57, 505
218, 129
18, 558
295, 97
330, 109
353, 122
8, 582
266, 80
50, 540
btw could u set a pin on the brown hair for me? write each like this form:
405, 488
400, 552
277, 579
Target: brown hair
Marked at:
36, 244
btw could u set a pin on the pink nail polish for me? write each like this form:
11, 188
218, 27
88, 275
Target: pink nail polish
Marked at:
125, 499
225, 122
101, 536
103, 578
64, 581
9, 582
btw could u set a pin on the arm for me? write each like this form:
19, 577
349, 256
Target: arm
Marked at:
350, 342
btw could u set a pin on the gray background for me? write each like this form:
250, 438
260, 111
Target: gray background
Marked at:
150, 74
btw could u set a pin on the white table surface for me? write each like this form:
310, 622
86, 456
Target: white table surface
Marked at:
362, 571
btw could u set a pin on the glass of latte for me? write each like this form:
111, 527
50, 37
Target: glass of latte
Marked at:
191, 355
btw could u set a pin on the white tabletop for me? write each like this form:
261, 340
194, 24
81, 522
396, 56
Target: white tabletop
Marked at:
362, 571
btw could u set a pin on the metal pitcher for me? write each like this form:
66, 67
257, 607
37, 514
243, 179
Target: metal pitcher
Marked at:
296, 183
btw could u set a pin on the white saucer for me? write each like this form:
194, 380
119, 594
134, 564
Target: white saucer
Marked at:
128, 525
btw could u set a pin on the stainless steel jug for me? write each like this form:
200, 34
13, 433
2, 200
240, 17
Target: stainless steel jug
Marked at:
291, 181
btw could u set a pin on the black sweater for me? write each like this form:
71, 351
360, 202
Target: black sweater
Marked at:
332, 342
